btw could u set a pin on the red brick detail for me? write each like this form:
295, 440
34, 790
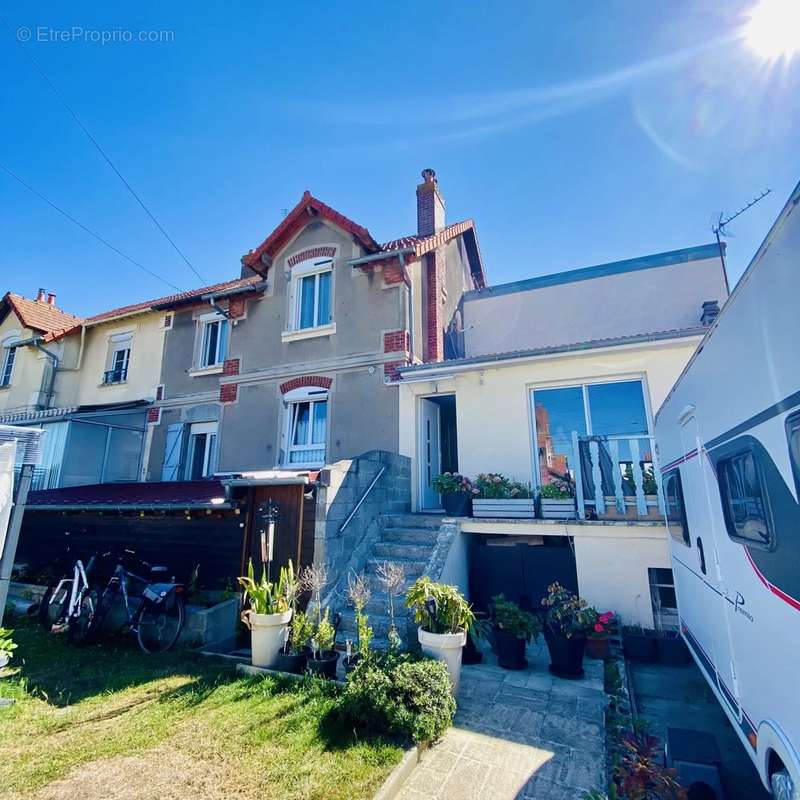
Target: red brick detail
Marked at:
236, 307
228, 392
434, 333
393, 273
153, 416
230, 367
390, 369
396, 342
312, 252
306, 380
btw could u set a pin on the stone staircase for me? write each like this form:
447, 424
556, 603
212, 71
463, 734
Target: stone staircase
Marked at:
407, 540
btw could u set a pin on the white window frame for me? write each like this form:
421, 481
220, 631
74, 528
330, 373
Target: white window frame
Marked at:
9, 360
211, 431
118, 343
313, 395
203, 323
311, 267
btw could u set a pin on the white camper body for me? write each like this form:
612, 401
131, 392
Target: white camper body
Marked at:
729, 437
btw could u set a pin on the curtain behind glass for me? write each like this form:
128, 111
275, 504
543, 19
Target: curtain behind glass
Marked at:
324, 302
307, 301
320, 422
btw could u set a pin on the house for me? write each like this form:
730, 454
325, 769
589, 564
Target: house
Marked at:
556, 385
86, 382
293, 365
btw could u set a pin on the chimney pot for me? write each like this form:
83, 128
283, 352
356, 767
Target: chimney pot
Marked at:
429, 175
40, 295
430, 205
51, 299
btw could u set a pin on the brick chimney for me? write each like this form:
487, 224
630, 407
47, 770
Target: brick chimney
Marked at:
710, 312
51, 298
430, 205
40, 296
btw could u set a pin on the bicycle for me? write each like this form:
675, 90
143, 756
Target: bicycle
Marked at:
82, 609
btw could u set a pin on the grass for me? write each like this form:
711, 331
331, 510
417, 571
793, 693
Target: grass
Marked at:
108, 720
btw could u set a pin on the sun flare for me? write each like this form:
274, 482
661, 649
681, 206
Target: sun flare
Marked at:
772, 30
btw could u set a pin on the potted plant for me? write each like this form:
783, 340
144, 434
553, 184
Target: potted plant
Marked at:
557, 497
7, 646
292, 656
513, 629
567, 623
671, 648
498, 496
456, 491
597, 643
358, 594
321, 656
640, 644
269, 613
444, 617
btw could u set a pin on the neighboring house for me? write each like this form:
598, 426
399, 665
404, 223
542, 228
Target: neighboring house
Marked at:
87, 383
293, 365
558, 382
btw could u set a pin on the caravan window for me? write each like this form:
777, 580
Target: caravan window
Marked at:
676, 510
744, 502
793, 435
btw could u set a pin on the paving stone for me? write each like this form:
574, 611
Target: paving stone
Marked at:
533, 698
465, 781
539, 789
562, 706
501, 783
567, 730
591, 709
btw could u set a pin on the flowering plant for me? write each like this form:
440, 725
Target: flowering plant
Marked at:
601, 624
566, 614
451, 482
494, 486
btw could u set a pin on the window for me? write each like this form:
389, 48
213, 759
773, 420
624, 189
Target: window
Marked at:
307, 428
10, 356
744, 501
201, 459
313, 294
614, 409
793, 437
119, 353
676, 509
213, 343
663, 598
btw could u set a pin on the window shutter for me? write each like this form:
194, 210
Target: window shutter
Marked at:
173, 452
168, 321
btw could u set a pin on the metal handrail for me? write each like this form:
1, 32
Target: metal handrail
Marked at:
361, 500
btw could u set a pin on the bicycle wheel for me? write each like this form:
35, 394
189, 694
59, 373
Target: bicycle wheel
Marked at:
85, 626
51, 609
160, 625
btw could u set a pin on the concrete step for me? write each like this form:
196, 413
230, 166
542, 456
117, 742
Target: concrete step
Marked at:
409, 535
391, 551
425, 521
412, 568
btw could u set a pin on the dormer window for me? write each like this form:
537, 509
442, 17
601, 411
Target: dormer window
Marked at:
310, 303
7, 355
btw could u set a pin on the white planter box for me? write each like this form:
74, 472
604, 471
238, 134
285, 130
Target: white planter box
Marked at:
504, 509
558, 509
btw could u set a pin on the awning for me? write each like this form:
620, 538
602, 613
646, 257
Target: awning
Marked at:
159, 496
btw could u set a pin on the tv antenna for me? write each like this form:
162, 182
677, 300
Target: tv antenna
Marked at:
718, 229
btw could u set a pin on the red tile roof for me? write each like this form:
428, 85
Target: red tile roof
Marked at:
39, 315
173, 299
295, 220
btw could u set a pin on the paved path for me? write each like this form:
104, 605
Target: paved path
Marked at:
518, 735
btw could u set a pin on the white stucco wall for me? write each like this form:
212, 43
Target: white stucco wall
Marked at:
658, 299
26, 378
495, 432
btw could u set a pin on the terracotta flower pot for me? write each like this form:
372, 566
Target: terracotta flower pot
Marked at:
597, 647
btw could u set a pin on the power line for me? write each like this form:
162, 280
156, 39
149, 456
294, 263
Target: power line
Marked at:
87, 230
103, 153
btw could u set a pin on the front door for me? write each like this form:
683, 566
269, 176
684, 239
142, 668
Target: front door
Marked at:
430, 459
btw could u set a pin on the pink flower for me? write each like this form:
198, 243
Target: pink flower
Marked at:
605, 618
598, 628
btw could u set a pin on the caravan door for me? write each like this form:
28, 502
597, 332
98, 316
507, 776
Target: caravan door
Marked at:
713, 633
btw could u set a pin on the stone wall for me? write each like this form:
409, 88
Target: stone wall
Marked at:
341, 486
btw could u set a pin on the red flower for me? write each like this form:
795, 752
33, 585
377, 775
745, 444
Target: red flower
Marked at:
598, 628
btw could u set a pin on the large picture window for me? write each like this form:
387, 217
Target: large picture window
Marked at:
612, 409
307, 429
744, 500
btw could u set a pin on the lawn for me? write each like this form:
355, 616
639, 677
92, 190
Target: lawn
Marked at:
109, 721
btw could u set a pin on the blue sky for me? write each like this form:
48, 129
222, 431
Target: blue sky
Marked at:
574, 133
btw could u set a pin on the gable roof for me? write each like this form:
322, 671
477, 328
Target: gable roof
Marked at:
39, 315
294, 221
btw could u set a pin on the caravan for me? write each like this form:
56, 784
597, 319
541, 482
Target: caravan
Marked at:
728, 436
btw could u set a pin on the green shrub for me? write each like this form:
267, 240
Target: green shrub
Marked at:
7, 645
509, 617
400, 696
439, 607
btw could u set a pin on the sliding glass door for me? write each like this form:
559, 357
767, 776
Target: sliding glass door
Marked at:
612, 414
